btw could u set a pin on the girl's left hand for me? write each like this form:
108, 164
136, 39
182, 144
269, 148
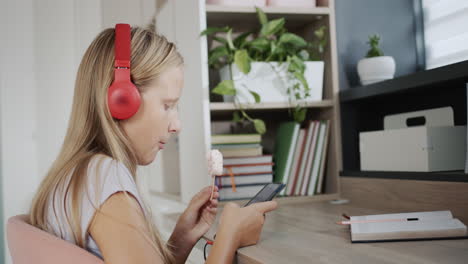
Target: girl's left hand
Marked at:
198, 217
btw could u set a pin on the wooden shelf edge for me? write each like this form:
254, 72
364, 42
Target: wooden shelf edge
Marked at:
269, 10
451, 176
231, 107
292, 199
452, 72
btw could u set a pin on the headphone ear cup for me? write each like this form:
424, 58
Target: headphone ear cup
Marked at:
123, 99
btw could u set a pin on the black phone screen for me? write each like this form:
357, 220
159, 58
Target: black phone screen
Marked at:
267, 193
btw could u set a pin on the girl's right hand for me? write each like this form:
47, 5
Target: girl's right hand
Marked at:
245, 223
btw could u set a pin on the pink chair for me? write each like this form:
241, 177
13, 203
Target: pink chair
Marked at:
29, 244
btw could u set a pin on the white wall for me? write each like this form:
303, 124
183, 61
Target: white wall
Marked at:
41, 47
19, 171
194, 137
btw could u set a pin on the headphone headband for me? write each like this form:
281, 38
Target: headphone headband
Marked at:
122, 46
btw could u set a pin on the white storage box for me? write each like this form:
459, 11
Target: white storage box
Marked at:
438, 145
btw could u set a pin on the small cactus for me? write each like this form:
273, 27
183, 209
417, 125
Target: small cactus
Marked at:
374, 50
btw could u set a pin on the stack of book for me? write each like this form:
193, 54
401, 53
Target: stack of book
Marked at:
246, 170
244, 177
300, 155
237, 145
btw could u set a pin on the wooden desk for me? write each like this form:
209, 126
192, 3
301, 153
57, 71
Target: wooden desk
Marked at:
307, 233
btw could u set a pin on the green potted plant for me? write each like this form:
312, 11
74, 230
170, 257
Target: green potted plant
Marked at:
271, 65
375, 67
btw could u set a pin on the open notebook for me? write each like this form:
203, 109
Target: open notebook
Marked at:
414, 226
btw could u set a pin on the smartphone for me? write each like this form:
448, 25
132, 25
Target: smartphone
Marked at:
267, 193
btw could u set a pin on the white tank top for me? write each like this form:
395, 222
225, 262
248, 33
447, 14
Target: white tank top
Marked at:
112, 176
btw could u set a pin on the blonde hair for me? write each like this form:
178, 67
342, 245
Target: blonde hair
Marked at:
92, 130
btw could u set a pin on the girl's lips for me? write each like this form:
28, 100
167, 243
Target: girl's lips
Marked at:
161, 145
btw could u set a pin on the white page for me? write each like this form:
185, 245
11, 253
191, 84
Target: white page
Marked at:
406, 226
420, 215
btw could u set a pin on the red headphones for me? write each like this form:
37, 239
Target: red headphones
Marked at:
123, 97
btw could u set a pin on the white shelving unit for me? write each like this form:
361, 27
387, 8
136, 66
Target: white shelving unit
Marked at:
230, 106
215, 9
184, 22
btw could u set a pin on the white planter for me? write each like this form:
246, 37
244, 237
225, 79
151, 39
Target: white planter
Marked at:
376, 69
292, 3
269, 80
237, 2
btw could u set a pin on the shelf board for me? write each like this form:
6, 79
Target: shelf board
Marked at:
285, 105
447, 176
268, 10
419, 80
292, 199
241, 17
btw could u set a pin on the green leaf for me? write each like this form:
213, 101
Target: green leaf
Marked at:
293, 39
256, 96
280, 50
217, 53
304, 54
272, 27
272, 47
320, 32
300, 77
212, 30
299, 114
295, 64
261, 16
239, 41
225, 87
229, 39
220, 40
260, 44
242, 60
236, 117
259, 126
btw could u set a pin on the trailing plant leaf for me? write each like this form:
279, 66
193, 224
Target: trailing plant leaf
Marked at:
225, 87
220, 40
304, 55
272, 27
236, 117
212, 30
256, 96
280, 50
293, 39
260, 44
239, 41
229, 39
272, 51
299, 114
300, 77
262, 18
320, 32
242, 60
259, 126
295, 64
216, 54
317, 47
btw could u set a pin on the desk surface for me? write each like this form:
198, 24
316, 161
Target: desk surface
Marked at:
308, 233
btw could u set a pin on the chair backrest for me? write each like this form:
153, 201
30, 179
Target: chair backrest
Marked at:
29, 244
